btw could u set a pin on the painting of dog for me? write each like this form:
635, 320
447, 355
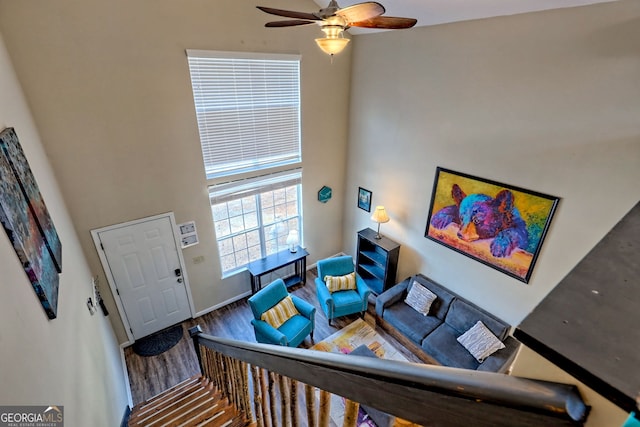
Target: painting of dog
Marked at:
499, 225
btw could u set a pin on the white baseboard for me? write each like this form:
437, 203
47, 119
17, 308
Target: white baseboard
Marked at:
222, 304
126, 373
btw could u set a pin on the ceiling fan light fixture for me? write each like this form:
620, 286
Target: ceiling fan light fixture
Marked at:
332, 46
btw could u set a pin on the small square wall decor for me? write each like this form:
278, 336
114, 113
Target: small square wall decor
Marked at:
496, 224
364, 199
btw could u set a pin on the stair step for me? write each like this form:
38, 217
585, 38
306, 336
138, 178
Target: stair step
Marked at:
176, 389
180, 406
179, 395
225, 418
205, 407
191, 403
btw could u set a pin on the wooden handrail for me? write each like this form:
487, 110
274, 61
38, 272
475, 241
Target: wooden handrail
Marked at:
424, 394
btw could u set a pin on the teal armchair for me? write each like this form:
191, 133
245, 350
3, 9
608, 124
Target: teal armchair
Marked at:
341, 303
292, 332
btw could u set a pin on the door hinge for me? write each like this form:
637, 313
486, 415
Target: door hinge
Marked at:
117, 291
131, 331
101, 246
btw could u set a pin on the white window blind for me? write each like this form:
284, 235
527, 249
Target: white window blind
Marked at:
248, 110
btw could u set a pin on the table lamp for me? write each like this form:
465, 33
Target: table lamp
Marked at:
379, 216
292, 240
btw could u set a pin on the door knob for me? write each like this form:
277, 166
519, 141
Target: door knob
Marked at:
178, 272
179, 279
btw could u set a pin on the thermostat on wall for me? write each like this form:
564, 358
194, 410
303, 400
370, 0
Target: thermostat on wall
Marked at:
188, 234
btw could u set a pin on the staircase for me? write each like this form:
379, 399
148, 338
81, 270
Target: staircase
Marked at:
258, 385
193, 402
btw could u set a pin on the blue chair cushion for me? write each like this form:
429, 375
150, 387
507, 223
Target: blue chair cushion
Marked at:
296, 329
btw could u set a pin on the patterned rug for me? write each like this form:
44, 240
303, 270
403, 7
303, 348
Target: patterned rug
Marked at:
345, 341
356, 334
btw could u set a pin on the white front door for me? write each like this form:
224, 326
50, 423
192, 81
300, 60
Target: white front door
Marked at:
145, 268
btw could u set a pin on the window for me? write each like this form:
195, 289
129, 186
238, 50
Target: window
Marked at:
253, 217
248, 110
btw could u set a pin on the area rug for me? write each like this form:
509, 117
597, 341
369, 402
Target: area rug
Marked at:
345, 341
356, 334
158, 342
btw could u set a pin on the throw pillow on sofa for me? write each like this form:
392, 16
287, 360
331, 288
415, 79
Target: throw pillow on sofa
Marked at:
341, 283
480, 341
280, 313
420, 298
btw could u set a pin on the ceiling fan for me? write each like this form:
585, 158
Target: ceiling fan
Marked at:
333, 20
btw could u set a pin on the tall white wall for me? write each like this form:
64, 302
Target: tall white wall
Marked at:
73, 360
547, 101
109, 87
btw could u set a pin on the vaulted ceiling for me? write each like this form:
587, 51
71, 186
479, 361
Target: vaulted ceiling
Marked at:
433, 12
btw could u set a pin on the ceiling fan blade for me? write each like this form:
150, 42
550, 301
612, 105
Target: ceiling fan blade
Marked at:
289, 13
386, 22
361, 11
292, 23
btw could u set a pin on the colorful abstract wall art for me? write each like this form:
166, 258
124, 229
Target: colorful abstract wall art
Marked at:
26, 220
497, 224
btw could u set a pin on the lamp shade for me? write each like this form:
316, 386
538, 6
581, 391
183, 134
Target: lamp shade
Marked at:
332, 46
380, 215
292, 240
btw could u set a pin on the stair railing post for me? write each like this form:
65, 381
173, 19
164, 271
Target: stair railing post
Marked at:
194, 333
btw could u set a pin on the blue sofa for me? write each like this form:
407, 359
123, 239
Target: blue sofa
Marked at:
449, 317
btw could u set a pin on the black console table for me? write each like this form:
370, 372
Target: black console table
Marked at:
268, 264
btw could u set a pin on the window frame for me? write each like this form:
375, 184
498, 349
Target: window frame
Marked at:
255, 187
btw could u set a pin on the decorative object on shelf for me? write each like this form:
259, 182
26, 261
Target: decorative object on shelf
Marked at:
292, 241
364, 199
499, 225
324, 195
379, 216
188, 234
25, 219
333, 20
377, 260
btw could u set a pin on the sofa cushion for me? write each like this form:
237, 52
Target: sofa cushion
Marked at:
480, 342
420, 298
409, 322
440, 306
443, 346
462, 316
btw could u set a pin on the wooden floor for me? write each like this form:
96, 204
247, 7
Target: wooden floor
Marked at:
149, 376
